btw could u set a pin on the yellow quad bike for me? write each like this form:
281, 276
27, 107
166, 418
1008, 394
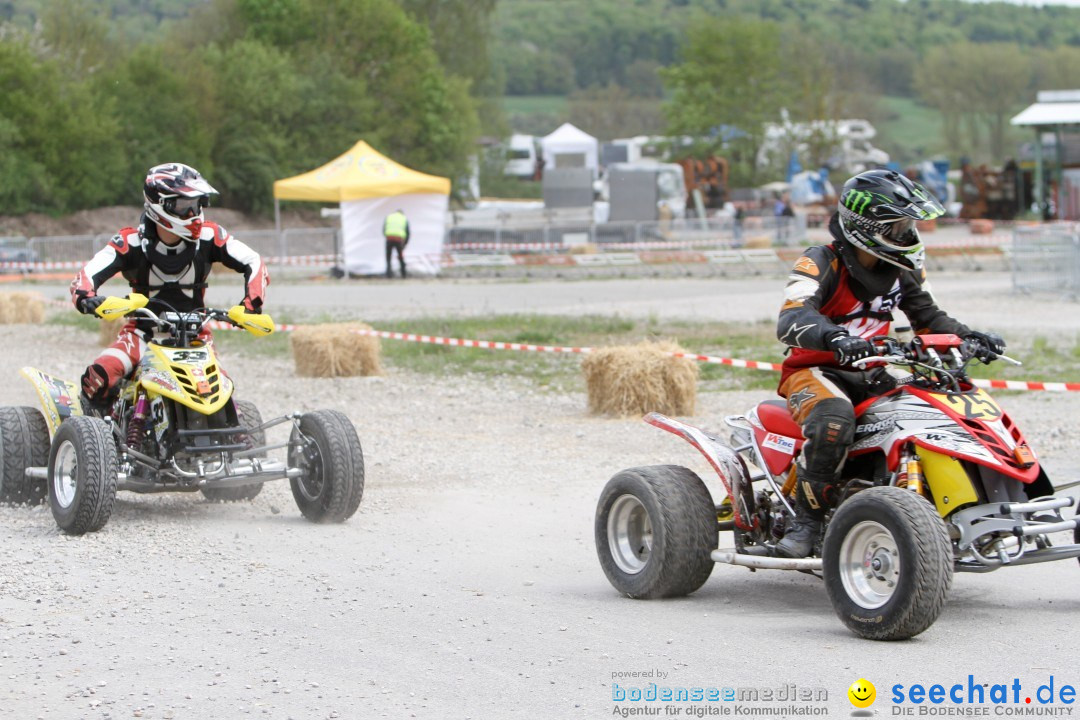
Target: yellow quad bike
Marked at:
175, 426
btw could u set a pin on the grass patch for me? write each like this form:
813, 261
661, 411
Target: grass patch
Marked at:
1043, 361
561, 372
534, 104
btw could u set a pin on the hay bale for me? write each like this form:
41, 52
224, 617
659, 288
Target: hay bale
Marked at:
18, 307
980, 226
334, 350
637, 379
758, 241
108, 330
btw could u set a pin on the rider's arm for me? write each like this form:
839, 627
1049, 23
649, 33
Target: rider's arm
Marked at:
108, 261
918, 305
810, 284
237, 256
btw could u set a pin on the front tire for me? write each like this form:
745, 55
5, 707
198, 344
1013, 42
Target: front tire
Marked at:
655, 532
24, 443
249, 416
82, 475
887, 563
327, 449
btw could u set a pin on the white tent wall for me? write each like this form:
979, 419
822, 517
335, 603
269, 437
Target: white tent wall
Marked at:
569, 140
365, 247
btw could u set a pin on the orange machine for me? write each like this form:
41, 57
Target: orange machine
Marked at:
710, 175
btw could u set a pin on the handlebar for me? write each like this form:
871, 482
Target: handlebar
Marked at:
185, 323
938, 359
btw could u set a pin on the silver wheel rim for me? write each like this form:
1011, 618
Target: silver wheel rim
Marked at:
869, 565
630, 534
63, 476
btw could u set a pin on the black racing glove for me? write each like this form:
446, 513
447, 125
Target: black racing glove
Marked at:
848, 348
87, 305
985, 346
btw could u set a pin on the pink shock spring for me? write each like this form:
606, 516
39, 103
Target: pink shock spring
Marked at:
138, 417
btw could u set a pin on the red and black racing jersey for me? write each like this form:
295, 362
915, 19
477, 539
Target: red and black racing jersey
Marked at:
176, 275
822, 299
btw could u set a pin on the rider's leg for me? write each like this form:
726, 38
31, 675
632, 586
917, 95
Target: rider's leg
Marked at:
100, 381
827, 418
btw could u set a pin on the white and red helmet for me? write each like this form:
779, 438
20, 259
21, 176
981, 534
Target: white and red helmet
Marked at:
175, 195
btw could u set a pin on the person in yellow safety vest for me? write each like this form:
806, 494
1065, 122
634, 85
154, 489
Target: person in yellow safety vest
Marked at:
396, 232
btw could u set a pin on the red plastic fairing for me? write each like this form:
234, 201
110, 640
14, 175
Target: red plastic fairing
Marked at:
723, 459
939, 342
980, 431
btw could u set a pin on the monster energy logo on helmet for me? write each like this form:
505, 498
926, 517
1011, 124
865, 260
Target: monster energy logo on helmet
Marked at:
878, 210
858, 200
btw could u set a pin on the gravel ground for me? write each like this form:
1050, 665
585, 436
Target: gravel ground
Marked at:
467, 585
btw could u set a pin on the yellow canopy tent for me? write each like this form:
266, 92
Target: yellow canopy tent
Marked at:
369, 186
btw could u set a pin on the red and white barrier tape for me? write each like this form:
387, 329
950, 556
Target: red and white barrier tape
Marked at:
644, 245
302, 260
1029, 385
731, 362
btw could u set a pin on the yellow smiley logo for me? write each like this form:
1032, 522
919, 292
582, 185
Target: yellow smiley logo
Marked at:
862, 693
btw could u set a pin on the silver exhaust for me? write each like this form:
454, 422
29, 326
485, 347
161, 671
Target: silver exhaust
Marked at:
730, 557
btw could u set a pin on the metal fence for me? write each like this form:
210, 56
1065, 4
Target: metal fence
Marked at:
1047, 259
716, 232
281, 248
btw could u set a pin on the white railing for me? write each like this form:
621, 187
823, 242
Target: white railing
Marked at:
1047, 259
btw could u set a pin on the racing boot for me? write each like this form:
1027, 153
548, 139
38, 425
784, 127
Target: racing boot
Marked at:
799, 540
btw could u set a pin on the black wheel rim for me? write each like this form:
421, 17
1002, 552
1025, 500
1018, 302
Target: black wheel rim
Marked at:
311, 482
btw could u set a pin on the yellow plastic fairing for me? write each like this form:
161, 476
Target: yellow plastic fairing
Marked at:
115, 307
254, 323
948, 480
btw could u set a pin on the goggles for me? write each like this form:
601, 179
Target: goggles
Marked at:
899, 235
185, 208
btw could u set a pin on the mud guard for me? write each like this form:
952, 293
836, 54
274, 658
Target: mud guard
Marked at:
59, 398
725, 461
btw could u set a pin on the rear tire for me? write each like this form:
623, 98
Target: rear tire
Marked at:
655, 531
249, 416
82, 474
24, 443
332, 485
888, 563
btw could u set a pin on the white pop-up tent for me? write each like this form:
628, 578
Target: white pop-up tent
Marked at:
370, 186
577, 148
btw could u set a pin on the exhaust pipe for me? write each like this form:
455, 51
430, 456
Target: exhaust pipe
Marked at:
730, 557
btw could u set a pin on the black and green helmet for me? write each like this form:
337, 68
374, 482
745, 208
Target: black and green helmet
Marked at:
878, 211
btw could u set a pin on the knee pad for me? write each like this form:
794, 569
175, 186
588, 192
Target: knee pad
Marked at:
829, 432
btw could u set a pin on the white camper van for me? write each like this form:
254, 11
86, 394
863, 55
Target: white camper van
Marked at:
521, 156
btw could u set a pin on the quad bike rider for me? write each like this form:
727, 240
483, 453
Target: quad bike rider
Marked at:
927, 474
155, 412
837, 299
167, 258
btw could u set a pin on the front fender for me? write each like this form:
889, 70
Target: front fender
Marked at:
59, 398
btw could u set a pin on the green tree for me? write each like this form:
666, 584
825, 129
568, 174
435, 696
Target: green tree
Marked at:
612, 112
976, 88
731, 74
59, 141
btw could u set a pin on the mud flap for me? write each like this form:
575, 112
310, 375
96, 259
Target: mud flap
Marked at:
59, 398
1040, 487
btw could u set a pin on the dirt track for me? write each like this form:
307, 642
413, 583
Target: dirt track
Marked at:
466, 586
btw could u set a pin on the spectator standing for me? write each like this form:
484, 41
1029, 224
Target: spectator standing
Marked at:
396, 232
